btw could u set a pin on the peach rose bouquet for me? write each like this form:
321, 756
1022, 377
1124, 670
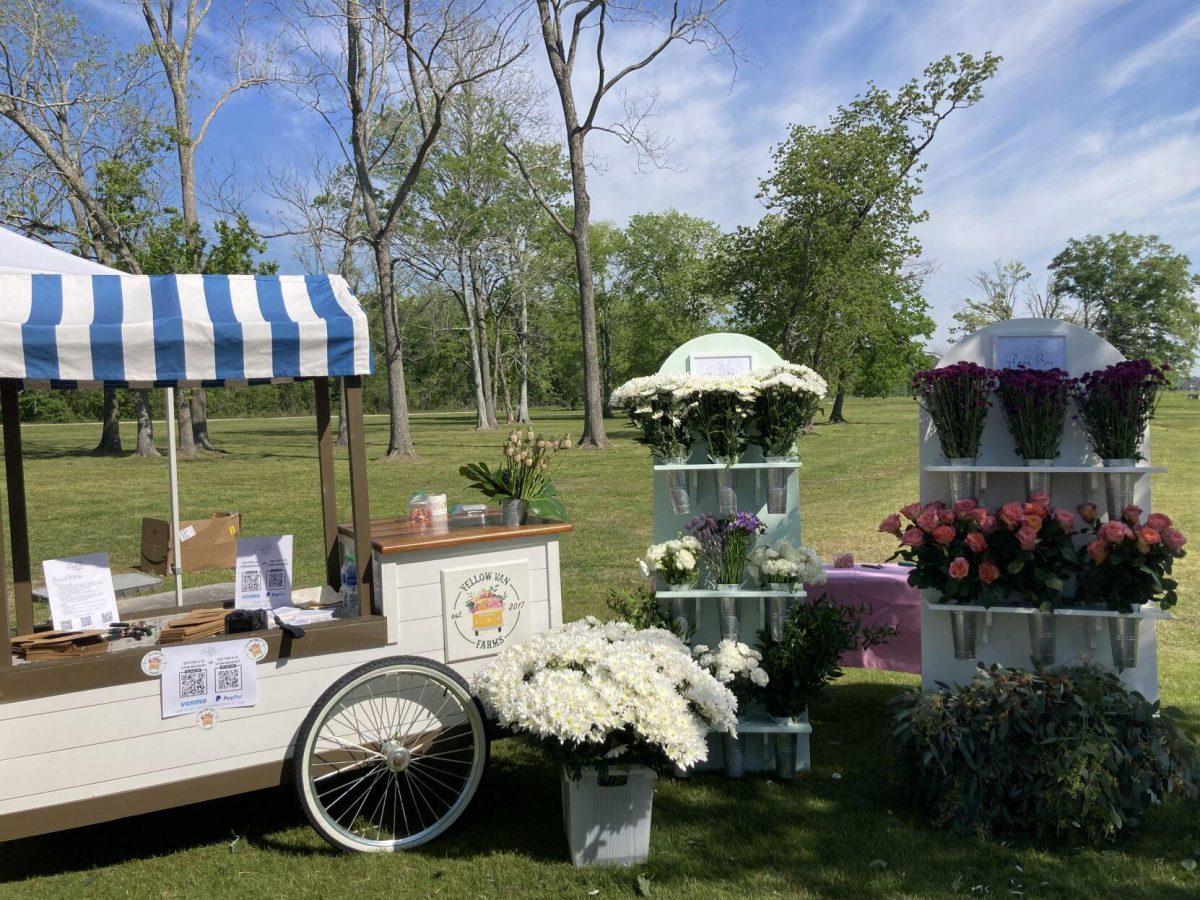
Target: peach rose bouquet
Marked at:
950, 549
1128, 561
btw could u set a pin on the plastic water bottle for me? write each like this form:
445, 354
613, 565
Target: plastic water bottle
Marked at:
349, 593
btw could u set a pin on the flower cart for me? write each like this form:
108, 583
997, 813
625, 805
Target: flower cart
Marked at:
368, 716
1019, 457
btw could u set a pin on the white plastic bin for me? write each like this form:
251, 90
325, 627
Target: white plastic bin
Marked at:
607, 821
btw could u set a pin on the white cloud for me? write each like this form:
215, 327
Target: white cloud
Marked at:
1178, 42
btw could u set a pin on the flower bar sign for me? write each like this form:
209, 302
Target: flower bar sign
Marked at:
485, 608
1030, 351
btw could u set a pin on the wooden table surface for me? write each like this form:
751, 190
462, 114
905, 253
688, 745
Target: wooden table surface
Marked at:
399, 535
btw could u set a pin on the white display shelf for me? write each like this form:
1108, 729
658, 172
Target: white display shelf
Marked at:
704, 593
712, 467
761, 723
1145, 612
1065, 470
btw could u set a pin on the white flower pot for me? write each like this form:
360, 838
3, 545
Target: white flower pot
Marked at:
607, 820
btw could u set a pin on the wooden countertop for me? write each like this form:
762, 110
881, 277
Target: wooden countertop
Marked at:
399, 535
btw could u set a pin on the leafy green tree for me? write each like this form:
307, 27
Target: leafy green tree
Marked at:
1136, 292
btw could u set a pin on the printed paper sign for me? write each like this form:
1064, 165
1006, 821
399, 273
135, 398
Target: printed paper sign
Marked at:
264, 572
721, 363
214, 675
1032, 351
81, 593
485, 608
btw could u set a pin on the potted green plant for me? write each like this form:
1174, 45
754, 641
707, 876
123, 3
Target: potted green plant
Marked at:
805, 658
613, 705
522, 482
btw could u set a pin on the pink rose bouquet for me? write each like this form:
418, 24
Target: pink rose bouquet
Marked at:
1128, 562
1034, 549
949, 548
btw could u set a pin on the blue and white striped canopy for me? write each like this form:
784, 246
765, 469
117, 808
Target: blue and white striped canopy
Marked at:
143, 330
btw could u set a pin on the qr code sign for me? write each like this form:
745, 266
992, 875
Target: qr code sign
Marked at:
229, 677
85, 621
275, 580
251, 581
193, 683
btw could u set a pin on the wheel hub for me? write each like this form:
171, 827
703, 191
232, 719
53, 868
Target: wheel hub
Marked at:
397, 756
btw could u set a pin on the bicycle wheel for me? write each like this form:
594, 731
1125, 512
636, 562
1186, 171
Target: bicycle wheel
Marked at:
391, 755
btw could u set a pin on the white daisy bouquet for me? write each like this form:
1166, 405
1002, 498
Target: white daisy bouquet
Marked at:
786, 399
673, 562
655, 408
784, 563
719, 407
735, 665
603, 693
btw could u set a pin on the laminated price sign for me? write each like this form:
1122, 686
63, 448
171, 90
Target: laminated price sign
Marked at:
216, 675
264, 572
81, 592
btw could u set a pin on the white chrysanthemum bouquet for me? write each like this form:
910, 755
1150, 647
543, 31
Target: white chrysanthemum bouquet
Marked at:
655, 409
603, 693
675, 562
786, 399
720, 407
785, 563
735, 665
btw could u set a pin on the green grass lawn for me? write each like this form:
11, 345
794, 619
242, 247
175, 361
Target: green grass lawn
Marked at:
845, 829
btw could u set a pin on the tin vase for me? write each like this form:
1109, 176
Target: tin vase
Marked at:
1118, 487
731, 620
1038, 482
963, 485
726, 491
777, 479
1042, 637
677, 486
1123, 641
681, 610
513, 512
963, 626
734, 755
777, 610
785, 753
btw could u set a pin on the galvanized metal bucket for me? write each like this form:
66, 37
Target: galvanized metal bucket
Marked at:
731, 620
963, 627
1042, 637
785, 754
963, 485
726, 491
777, 610
681, 611
734, 755
777, 486
1123, 641
677, 487
513, 512
1038, 482
1118, 487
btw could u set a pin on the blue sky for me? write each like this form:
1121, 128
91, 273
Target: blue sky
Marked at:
1091, 125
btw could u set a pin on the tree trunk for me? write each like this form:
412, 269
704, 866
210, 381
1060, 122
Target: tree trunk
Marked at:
468, 308
186, 448
523, 345
606, 366
110, 430
481, 339
593, 406
839, 399
145, 424
341, 435
400, 445
200, 419
508, 407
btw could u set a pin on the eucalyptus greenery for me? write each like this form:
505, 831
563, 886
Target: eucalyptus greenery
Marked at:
1069, 753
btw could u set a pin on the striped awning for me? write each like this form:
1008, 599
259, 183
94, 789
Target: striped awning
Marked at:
144, 330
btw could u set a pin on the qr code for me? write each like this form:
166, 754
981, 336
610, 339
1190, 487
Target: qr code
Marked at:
193, 683
229, 677
106, 617
251, 581
275, 580
85, 621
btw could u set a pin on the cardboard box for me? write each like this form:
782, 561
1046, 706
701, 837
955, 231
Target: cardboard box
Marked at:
207, 543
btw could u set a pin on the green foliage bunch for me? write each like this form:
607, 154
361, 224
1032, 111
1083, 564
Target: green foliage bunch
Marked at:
640, 609
806, 658
525, 474
1067, 754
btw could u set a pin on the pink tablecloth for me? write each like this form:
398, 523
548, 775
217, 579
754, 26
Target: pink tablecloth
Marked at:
892, 602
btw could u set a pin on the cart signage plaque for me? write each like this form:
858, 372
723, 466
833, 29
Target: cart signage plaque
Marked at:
485, 608
214, 675
264, 572
80, 589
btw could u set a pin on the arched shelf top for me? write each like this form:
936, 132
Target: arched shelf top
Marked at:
711, 349
1084, 350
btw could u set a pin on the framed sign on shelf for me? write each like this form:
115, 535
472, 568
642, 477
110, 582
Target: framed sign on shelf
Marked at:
737, 363
1031, 351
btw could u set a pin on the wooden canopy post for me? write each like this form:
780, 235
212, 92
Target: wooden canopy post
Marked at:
5, 638
18, 519
359, 511
333, 575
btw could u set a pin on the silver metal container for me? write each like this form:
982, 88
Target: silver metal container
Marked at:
1042, 637
963, 485
513, 512
963, 627
731, 620
1038, 482
1118, 487
677, 486
734, 755
1123, 641
726, 491
777, 610
785, 753
777, 480
681, 611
